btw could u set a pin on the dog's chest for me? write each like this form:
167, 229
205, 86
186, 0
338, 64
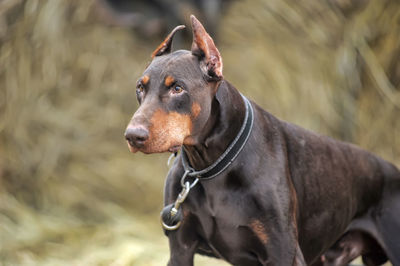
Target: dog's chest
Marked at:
226, 229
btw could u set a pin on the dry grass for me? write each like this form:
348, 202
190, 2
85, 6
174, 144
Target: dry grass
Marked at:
71, 193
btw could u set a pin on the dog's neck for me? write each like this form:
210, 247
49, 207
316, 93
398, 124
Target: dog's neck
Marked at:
227, 115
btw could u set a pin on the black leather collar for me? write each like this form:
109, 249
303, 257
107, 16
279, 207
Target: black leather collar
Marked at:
230, 153
171, 215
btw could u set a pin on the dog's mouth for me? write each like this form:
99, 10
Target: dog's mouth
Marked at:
148, 150
175, 148
132, 148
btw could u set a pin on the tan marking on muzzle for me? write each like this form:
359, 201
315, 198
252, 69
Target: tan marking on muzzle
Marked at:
169, 81
259, 230
167, 130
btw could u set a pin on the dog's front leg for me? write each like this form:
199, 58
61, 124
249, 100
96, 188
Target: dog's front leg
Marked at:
182, 245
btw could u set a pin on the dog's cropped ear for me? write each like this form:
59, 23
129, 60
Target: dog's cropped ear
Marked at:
204, 48
166, 45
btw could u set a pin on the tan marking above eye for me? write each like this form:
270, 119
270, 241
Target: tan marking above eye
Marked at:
145, 79
169, 81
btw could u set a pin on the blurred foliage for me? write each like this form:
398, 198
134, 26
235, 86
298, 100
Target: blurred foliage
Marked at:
70, 191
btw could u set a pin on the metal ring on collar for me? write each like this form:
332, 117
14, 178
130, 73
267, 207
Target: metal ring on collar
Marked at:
187, 172
170, 227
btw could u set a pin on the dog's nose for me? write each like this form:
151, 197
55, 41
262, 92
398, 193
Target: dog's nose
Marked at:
136, 136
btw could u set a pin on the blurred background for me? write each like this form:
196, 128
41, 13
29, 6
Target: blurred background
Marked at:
70, 191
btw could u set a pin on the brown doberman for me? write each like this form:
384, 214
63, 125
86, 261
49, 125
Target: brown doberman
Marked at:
252, 189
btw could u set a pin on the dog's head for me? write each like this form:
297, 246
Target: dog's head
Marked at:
175, 94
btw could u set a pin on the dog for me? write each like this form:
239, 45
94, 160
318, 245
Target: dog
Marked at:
249, 188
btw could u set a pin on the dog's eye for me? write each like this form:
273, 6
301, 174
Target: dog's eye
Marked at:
177, 89
139, 89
